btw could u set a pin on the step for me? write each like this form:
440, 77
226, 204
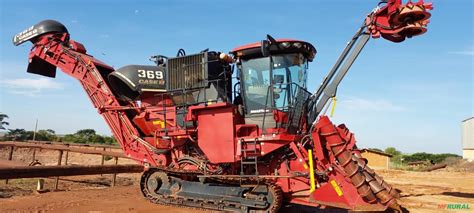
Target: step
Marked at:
249, 141
249, 162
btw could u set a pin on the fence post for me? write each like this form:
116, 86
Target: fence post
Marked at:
34, 155
114, 178
10, 157
103, 159
67, 156
60, 157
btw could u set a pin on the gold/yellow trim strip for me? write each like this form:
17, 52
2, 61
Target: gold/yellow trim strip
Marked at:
311, 171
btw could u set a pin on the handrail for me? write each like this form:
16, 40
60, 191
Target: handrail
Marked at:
290, 102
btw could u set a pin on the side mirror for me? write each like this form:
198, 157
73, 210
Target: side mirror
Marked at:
265, 48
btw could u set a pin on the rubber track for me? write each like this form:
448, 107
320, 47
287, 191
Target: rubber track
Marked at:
201, 204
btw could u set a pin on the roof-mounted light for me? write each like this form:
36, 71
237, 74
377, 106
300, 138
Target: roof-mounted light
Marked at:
297, 44
285, 44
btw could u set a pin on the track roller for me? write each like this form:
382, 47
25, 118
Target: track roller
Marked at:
165, 188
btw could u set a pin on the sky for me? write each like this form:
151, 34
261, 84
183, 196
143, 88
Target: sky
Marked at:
411, 95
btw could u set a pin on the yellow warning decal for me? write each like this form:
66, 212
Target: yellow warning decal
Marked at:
311, 171
159, 122
334, 100
336, 188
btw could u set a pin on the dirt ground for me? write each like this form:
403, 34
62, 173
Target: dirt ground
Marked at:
426, 191
420, 191
97, 199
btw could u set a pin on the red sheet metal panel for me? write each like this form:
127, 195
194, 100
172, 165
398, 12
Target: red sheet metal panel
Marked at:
216, 132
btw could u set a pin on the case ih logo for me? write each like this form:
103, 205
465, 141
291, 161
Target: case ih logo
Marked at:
150, 74
455, 206
26, 34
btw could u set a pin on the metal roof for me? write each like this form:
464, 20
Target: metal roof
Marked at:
376, 152
467, 119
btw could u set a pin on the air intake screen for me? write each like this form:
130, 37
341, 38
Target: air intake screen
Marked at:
187, 72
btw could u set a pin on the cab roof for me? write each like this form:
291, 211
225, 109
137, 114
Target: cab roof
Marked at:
283, 45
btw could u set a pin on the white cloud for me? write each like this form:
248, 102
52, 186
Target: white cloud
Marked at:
462, 52
466, 51
137, 11
29, 86
361, 104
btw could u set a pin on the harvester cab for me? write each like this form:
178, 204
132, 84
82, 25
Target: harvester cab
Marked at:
245, 146
272, 79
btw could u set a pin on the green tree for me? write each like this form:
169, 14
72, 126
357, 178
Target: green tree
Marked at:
423, 156
2, 122
19, 135
88, 136
46, 135
392, 151
69, 138
110, 140
85, 136
86, 132
97, 139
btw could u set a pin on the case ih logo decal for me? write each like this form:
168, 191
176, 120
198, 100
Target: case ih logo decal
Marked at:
26, 34
150, 77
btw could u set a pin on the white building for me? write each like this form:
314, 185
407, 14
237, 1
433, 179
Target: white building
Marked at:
468, 138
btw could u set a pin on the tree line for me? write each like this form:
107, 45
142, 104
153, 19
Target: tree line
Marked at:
81, 136
90, 136
400, 158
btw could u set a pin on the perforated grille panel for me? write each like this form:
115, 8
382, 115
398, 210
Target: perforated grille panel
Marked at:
187, 72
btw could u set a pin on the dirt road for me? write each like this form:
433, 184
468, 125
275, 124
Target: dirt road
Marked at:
421, 192
430, 191
118, 199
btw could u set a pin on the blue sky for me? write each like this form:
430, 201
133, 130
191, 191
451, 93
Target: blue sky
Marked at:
411, 95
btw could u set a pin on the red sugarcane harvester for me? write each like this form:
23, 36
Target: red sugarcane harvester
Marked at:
245, 141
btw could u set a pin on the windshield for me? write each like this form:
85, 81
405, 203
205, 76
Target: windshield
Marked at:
257, 78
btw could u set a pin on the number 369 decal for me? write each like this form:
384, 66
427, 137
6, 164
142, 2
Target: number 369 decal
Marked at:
150, 74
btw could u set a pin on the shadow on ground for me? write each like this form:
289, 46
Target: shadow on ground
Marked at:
459, 194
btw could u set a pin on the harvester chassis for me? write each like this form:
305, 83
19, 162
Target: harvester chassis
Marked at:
214, 153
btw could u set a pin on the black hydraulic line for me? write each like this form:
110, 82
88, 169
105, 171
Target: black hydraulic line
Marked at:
330, 91
338, 63
328, 86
